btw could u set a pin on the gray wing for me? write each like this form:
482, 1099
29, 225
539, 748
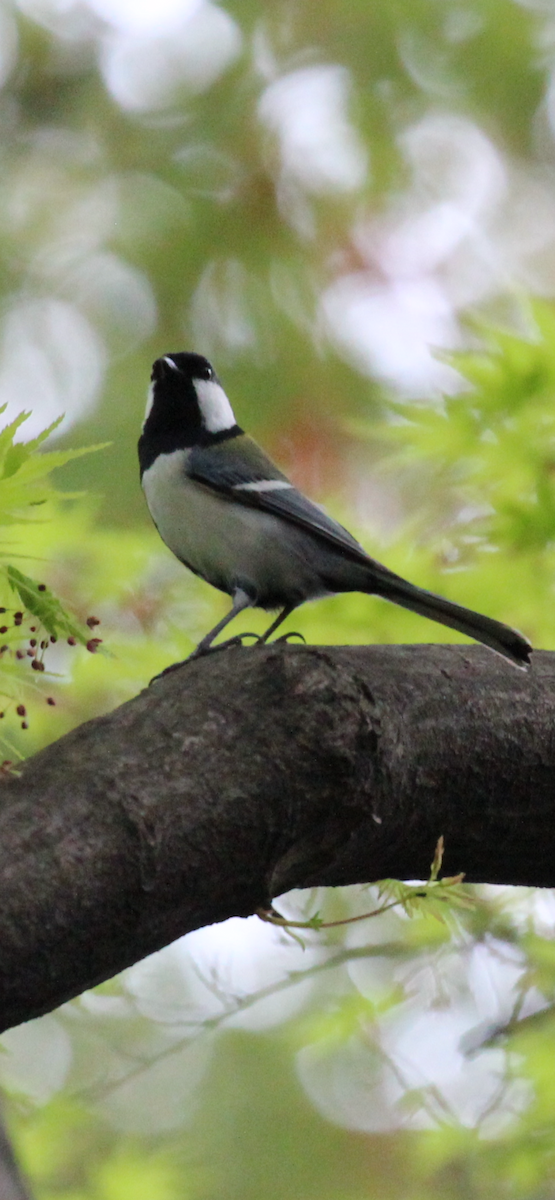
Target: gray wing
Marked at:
231, 473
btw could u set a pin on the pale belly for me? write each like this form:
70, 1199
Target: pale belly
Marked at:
230, 545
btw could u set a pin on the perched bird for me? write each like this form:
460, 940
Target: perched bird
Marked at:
232, 517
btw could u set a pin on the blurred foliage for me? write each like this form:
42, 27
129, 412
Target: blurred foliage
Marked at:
346, 206
437, 896
32, 616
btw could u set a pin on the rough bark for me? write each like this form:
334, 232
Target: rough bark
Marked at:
253, 771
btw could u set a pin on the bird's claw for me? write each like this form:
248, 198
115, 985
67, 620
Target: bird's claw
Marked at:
292, 634
168, 670
234, 641
237, 640
201, 652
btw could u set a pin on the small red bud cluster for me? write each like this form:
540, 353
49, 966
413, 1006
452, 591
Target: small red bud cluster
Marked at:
32, 649
35, 652
94, 642
22, 712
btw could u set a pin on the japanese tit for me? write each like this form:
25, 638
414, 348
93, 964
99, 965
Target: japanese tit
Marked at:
232, 517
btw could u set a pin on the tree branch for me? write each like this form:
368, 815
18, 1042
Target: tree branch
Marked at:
250, 772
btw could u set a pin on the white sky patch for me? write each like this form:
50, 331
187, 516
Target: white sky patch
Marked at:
423, 241
117, 297
222, 310
453, 159
307, 111
467, 229
144, 67
215, 408
144, 16
206, 972
51, 361
127, 16
362, 1083
390, 329
37, 1058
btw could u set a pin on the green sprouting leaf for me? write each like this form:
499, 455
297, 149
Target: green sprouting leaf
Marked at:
25, 487
7, 436
18, 487
438, 898
18, 452
41, 602
25, 473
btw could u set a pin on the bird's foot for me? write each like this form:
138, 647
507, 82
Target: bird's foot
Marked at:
234, 641
201, 652
168, 670
292, 634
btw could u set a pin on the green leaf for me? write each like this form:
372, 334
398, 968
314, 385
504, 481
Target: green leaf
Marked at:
39, 600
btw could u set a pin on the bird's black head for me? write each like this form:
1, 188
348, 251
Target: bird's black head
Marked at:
188, 365
186, 407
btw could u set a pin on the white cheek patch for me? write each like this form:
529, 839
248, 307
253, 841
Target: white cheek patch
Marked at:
215, 409
149, 403
263, 485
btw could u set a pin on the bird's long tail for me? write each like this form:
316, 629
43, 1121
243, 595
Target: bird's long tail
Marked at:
506, 641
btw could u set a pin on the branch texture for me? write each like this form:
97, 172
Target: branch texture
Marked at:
250, 772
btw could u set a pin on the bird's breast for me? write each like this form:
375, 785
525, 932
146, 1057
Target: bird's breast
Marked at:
224, 541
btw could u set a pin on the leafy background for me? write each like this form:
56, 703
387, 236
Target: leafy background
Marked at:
350, 208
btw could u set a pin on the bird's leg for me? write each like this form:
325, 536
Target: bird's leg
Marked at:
236, 640
241, 600
285, 612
